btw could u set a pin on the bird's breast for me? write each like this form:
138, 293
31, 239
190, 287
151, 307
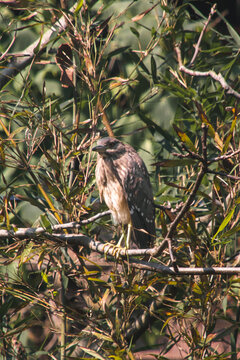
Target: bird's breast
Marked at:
111, 190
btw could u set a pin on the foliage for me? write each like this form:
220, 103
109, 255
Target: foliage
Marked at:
116, 66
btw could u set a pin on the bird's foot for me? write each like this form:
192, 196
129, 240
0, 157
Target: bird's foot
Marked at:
114, 249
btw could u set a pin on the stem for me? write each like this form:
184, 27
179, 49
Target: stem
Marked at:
63, 321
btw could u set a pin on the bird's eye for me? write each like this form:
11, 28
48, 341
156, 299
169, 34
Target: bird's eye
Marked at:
112, 145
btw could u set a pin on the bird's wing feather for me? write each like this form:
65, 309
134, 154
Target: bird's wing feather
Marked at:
139, 196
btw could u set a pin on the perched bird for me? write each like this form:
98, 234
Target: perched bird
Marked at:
124, 184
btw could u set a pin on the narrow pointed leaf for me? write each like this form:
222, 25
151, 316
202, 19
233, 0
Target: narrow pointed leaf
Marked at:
224, 223
184, 138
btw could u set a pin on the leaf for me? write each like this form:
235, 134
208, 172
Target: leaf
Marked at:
64, 280
64, 62
118, 51
29, 199
211, 131
184, 138
229, 137
134, 31
78, 7
231, 30
142, 14
48, 200
44, 277
45, 223
139, 62
173, 163
154, 69
224, 223
17, 131
118, 81
26, 252
2, 155
93, 353
96, 280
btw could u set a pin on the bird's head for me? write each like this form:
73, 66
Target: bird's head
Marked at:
110, 147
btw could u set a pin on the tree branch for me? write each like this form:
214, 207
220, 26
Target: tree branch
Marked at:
110, 249
180, 215
217, 77
28, 232
202, 32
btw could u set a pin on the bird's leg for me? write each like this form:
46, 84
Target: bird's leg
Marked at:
118, 247
129, 230
121, 238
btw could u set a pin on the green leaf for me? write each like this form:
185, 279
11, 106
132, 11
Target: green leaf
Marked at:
231, 30
139, 62
134, 31
184, 138
224, 223
173, 163
78, 7
93, 353
45, 223
27, 252
229, 137
44, 277
65, 280
118, 51
154, 70
96, 280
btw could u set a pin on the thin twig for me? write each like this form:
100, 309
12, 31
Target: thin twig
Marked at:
218, 77
223, 174
224, 157
28, 232
9, 47
186, 206
201, 35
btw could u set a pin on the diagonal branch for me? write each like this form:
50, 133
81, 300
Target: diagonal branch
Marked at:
217, 77
213, 10
186, 206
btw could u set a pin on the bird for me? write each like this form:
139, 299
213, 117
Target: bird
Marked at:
124, 184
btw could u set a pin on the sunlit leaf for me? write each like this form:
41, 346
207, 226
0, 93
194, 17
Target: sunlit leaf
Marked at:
224, 223
93, 353
184, 138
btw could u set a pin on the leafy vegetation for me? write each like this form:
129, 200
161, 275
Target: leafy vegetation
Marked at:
165, 78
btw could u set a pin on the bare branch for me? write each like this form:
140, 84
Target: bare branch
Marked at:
28, 232
224, 174
187, 204
218, 77
224, 157
182, 270
202, 32
9, 47
110, 249
178, 218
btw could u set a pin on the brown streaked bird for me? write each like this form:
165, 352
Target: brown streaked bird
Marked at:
124, 184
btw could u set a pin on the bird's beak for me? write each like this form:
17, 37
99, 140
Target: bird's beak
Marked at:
99, 148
